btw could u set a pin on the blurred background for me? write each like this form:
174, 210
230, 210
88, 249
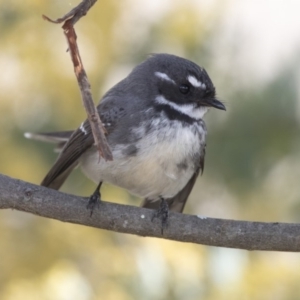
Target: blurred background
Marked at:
251, 51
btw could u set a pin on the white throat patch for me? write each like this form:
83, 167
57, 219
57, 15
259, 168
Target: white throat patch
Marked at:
186, 109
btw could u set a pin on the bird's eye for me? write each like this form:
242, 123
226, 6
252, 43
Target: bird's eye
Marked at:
184, 89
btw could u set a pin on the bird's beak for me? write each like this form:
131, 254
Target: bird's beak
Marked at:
215, 103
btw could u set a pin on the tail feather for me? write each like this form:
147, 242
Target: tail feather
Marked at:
58, 138
51, 137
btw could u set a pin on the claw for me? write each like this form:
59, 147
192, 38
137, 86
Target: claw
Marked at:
162, 213
94, 200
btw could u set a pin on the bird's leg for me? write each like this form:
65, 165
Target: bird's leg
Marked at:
95, 199
162, 213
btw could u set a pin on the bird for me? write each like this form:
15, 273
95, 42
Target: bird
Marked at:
154, 126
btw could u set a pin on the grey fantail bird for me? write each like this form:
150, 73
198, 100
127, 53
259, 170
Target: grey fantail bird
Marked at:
153, 120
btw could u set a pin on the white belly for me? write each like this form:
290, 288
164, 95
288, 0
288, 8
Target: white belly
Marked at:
165, 161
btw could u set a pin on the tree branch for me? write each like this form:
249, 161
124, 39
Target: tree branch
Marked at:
41, 201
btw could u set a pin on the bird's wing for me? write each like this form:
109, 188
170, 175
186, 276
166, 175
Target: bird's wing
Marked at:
178, 202
81, 140
78, 143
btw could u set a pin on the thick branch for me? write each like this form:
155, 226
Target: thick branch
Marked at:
44, 202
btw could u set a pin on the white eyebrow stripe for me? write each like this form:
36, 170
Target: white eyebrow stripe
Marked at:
186, 109
195, 82
164, 76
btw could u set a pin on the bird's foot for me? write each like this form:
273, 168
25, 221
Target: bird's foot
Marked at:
94, 200
162, 213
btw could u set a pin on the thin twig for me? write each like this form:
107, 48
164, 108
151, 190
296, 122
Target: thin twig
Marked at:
23, 196
75, 14
96, 125
93, 116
